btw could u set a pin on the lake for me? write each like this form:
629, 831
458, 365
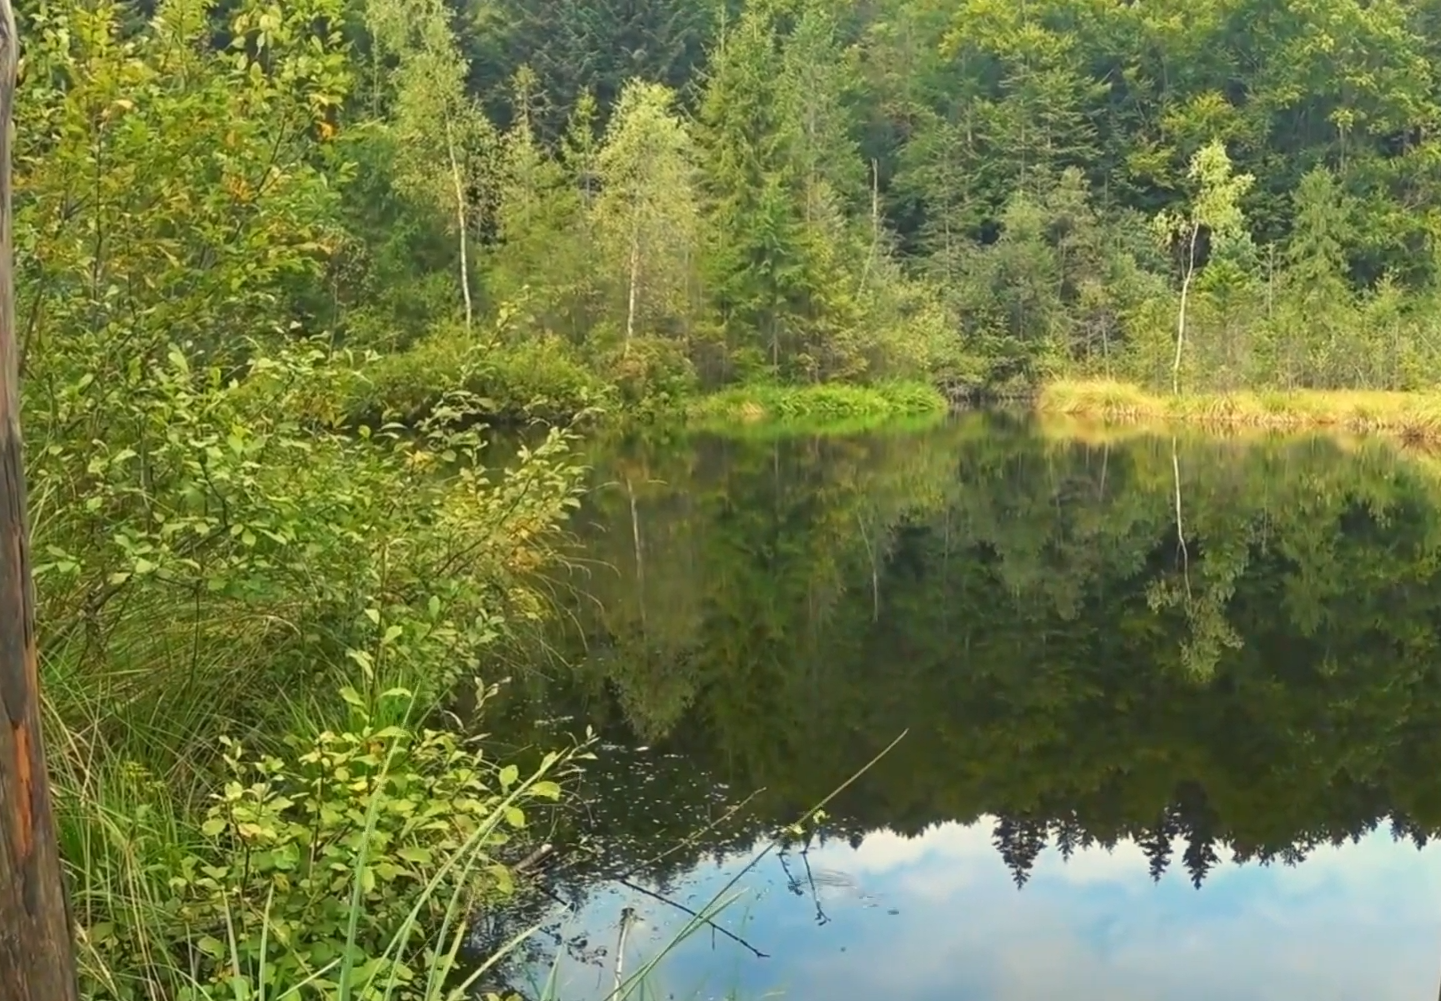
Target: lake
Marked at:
1168, 709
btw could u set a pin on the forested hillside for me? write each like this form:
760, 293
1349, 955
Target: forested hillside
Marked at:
549, 201
247, 232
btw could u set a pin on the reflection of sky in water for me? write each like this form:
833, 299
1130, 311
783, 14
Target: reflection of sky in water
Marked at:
1363, 921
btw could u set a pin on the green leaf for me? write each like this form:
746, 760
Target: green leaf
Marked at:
546, 789
508, 776
416, 854
504, 882
213, 826
351, 696
211, 946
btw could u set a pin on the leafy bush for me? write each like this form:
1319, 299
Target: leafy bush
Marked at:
536, 378
650, 373
343, 857
290, 547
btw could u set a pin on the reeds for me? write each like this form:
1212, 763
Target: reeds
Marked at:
1414, 417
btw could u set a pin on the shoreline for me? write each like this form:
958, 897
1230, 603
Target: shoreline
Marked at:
835, 408
1410, 416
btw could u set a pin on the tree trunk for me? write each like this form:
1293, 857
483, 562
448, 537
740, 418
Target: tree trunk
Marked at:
37, 960
639, 557
1181, 313
634, 282
460, 218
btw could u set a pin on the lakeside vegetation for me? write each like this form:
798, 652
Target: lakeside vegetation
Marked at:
834, 407
1410, 416
280, 266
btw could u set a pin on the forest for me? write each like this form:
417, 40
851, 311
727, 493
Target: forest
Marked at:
280, 266
564, 205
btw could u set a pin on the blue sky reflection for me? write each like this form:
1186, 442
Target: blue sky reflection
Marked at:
938, 917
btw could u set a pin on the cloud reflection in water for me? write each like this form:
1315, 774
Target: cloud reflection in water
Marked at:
938, 917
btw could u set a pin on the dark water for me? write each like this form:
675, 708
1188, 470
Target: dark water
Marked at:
1138, 762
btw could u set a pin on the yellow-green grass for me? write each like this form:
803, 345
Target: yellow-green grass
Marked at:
1410, 416
831, 407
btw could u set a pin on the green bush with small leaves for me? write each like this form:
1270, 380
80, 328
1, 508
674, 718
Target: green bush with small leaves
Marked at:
342, 864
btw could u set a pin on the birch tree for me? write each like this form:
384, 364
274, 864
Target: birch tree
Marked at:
438, 127
646, 212
1216, 210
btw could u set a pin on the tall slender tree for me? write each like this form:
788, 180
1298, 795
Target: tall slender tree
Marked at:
36, 954
647, 212
1215, 210
437, 124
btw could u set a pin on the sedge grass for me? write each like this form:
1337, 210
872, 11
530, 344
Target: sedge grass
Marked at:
1409, 416
822, 408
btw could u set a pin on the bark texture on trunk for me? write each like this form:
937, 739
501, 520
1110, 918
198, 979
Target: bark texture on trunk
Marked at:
36, 954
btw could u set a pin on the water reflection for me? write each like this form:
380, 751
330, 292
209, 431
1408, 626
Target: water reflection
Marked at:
937, 916
1193, 652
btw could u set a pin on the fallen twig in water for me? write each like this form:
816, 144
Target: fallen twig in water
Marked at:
699, 917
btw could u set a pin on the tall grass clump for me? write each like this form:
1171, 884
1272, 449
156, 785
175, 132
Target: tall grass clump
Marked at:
1411, 416
816, 407
342, 863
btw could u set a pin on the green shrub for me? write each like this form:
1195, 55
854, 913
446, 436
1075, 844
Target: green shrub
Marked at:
652, 373
353, 855
535, 378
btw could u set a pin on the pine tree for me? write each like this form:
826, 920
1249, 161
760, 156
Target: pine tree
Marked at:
1315, 256
755, 246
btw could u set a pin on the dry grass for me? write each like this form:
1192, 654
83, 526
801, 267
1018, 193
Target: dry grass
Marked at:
1412, 417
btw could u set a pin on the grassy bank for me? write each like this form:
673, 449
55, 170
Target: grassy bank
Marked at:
1412, 416
834, 408
542, 380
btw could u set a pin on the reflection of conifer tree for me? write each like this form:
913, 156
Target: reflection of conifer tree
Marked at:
1020, 840
1016, 642
1156, 843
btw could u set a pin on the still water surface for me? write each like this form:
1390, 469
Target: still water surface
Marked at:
1138, 762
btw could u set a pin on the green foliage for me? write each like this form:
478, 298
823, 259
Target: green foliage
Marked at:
340, 858
214, 555
824, 407
535, 378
